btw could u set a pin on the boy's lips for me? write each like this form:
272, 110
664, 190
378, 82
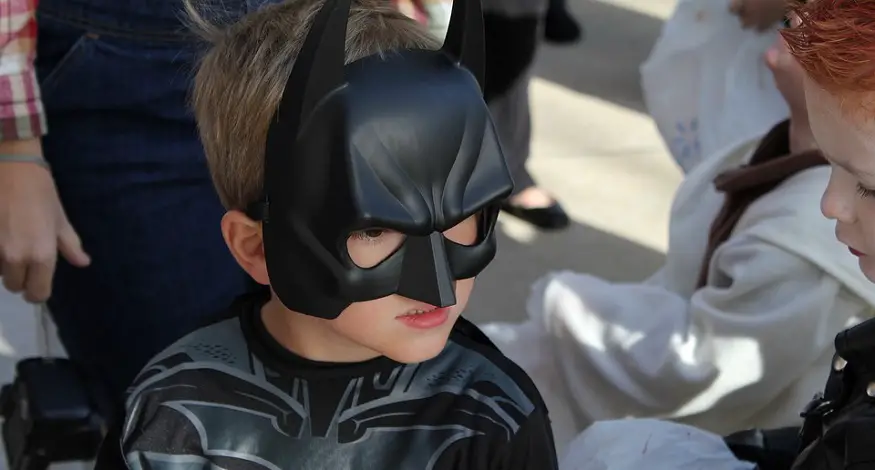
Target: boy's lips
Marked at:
853, 250
420, 310
425, 318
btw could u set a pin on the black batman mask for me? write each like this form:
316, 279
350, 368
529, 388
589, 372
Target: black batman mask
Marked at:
400, 141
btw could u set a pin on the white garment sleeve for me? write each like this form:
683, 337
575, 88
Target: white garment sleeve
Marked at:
635, 444
641, 350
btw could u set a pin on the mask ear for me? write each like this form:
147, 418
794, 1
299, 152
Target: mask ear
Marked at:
318, 70
465, 41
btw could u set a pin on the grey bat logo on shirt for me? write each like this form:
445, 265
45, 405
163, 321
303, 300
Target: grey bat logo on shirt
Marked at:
280, 438
407, 417
232, 432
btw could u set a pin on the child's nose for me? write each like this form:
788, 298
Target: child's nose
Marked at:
838, 201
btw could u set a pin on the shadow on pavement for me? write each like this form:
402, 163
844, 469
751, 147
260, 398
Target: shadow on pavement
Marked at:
502, 290
605, 64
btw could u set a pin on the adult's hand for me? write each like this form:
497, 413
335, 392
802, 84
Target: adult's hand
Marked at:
789, 78
758, 14
33, 225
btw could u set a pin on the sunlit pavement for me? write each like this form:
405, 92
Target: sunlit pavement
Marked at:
598, 151
594, 147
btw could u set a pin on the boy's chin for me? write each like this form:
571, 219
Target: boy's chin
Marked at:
416, 350
867, 265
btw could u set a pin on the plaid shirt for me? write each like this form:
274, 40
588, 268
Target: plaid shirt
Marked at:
413, 9
21, 110
435, 14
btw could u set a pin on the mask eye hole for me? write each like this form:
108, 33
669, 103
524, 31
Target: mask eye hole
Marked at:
466, 232
370, 247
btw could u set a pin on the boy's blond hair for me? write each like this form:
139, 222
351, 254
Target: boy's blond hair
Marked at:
241, 78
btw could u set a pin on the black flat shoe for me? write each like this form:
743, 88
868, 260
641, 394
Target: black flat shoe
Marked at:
547, 218
561, 28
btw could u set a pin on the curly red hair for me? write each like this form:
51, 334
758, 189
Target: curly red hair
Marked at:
835, 43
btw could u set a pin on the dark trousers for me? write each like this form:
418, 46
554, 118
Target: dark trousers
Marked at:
115, 77
511, 44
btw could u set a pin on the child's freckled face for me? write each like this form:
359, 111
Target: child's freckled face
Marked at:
375, 325
847, 138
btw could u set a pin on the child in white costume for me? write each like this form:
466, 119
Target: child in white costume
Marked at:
747, 347
639, 444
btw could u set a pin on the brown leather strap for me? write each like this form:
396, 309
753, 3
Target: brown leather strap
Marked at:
770, 165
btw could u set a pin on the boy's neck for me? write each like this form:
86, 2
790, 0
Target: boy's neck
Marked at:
310, 337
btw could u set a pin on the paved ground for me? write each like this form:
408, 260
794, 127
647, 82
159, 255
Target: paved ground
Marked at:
594, 147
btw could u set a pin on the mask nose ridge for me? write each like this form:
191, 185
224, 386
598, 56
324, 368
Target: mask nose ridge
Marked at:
425, 272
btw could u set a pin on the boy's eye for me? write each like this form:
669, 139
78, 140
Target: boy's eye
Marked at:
368, 235
372, 233
368, 247
865, 192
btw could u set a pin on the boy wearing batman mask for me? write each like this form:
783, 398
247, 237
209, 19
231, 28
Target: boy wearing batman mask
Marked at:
363, 179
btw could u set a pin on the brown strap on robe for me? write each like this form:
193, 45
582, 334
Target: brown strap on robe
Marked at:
769, 166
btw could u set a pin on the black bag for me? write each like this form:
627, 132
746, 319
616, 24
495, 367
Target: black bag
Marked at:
51, 413
770, 449
839, 428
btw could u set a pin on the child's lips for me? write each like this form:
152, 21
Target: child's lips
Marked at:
424, 321
420, 310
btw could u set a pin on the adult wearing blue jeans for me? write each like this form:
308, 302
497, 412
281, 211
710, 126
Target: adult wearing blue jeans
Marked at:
131, 176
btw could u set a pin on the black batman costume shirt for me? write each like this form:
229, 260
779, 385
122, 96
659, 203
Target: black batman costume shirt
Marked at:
228, 396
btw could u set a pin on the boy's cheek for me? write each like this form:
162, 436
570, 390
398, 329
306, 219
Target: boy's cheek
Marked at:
374, 325
464, 287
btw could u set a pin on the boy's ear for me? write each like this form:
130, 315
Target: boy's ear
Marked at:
243, 237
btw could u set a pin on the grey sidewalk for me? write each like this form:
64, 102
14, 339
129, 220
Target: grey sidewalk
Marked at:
596, 148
